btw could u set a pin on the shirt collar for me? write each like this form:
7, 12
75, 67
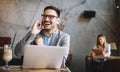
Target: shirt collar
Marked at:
54, 33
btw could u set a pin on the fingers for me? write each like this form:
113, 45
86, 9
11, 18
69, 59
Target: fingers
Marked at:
37, 27
38, 24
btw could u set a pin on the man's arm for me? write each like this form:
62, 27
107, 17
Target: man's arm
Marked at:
20, 45
36, 28
66, 43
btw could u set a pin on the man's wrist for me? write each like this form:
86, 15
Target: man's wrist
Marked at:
34, 33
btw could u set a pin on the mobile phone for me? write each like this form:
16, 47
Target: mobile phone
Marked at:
42, 27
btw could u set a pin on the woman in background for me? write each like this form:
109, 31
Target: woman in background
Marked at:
102, 45
102, 48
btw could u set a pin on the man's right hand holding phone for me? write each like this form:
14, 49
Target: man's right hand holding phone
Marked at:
37, 27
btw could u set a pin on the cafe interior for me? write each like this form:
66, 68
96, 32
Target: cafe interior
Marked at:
83, 20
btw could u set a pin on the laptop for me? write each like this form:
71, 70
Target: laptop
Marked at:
36, 56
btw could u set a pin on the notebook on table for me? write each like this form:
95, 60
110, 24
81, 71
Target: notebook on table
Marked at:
43, 56
97, 51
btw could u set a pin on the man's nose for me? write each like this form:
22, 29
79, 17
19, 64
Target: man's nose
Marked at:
47, 18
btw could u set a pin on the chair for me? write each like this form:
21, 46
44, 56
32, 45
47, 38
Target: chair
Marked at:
4, 40
68, 61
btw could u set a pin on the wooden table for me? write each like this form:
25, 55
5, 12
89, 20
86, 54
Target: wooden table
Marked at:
111, 61
18, 69
102, 57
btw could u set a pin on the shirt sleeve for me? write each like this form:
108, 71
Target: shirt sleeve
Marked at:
20, 45
66, 43
108, 50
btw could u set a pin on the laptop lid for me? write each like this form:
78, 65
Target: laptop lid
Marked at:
43, 56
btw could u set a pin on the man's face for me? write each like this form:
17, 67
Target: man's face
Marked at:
50, 19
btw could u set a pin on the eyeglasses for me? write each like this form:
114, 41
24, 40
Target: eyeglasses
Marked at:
49, 16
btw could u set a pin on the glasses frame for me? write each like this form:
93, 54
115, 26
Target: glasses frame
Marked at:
49, 16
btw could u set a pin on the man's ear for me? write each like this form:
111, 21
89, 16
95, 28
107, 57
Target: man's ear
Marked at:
61, 27
58, 21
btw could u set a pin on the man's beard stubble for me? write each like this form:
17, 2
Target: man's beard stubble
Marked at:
45, 22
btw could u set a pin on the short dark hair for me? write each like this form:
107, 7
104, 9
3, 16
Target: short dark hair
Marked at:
53, 8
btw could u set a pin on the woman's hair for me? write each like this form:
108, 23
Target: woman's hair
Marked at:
98, 43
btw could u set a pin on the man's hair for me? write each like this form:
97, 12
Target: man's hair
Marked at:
53, 8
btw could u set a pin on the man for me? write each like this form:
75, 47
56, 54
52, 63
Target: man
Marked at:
47, 29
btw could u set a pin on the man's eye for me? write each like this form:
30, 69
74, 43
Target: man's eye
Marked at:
51, 16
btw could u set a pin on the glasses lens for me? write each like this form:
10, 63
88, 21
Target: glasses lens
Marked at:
49, 16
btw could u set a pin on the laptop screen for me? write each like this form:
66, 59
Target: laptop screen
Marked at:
43, 56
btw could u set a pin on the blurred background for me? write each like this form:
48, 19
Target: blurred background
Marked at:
82, 19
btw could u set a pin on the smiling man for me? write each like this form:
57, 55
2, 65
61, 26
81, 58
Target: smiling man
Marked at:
47, 29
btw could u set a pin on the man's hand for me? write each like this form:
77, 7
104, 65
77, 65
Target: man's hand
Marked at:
37, 27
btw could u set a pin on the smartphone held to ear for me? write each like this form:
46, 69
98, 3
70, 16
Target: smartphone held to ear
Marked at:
41, 25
